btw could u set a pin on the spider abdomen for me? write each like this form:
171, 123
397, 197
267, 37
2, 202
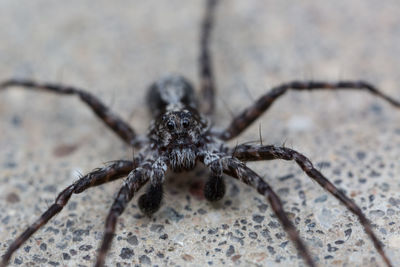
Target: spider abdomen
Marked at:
170, 90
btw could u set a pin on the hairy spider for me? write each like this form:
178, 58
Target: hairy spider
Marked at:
179, 136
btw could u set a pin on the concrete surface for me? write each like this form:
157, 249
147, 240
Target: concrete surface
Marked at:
115, 49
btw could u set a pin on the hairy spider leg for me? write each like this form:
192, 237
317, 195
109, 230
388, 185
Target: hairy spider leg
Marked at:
255, 153
136, 179
207, 81
214, 188
97, 177
237, 169
112, 120
150, 201
250, 114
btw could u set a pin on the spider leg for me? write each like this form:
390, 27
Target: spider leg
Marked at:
150, 201
207, 83
135, 180
250, 114
237, 169
99, 176
112, 120
254, 153
214, 188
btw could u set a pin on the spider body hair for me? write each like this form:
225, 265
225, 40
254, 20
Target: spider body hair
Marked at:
178, 135
178, 131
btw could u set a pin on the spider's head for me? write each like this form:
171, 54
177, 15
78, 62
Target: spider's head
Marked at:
177, 128
178, 132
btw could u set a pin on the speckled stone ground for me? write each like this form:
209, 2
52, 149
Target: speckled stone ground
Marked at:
115, 49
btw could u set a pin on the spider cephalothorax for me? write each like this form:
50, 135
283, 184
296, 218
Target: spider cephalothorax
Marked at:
180, 136
178, 130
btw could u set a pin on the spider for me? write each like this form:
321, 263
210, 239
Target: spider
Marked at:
180, 136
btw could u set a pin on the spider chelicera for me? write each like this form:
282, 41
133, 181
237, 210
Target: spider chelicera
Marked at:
180, 136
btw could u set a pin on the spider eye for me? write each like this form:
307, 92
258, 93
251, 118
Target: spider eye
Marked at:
185, 123
171, 125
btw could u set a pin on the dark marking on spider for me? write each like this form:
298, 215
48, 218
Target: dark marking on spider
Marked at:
180, 136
